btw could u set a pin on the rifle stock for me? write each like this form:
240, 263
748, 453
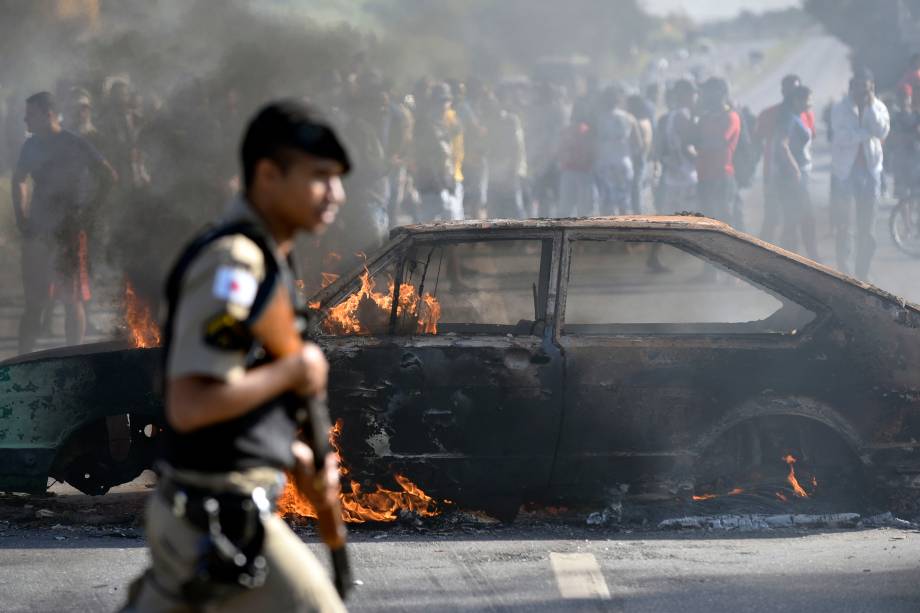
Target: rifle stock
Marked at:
278, 333
329, 518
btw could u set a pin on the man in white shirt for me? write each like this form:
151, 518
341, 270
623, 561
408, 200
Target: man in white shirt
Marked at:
859, 122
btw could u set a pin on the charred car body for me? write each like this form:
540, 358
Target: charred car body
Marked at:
496, 361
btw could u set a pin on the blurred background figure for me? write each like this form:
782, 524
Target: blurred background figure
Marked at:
860, 122
718, 130
618, 142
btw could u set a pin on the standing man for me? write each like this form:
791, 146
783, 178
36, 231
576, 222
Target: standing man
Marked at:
676, 151
763, 134
718, 130
214, 541
438, 144
68, 175
618, 144
911, 78
507, 154
860, 122
791, 171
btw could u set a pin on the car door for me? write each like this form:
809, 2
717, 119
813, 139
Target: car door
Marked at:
661, 337
463, 391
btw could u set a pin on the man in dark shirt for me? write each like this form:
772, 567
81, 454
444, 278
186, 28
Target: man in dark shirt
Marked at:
791, 162
67, 175
766, 124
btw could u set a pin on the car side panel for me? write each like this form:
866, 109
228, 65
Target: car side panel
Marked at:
44, 401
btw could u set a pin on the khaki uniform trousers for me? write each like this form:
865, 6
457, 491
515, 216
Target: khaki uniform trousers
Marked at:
296, 581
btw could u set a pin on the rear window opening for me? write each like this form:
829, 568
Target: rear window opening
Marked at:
620, 287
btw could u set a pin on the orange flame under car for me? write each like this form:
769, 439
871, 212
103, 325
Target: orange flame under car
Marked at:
733, 492
799, 491
358, 506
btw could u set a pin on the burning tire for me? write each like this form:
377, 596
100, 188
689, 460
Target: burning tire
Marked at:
780, 459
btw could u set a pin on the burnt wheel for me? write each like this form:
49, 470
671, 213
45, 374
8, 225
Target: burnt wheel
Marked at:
93, 461
774, 460
904, 225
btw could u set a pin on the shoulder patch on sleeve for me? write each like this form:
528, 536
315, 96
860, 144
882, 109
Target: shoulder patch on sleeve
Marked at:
226, 332
235, 285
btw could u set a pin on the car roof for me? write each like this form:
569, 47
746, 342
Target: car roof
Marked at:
680, 221
690, 221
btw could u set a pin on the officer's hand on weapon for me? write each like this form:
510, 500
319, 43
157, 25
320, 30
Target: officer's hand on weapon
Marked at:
313, 371
321, 494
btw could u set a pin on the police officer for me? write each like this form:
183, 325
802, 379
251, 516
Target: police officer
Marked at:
214, 542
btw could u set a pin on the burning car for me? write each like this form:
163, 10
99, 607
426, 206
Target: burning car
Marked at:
492, 362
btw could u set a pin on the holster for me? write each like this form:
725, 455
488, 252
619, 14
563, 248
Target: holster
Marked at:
233, 535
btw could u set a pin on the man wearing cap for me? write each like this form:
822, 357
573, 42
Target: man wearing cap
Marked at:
214, 541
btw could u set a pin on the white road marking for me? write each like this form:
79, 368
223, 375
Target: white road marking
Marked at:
579, 576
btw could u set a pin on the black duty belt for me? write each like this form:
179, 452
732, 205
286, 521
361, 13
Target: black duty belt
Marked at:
191, 502
230, 548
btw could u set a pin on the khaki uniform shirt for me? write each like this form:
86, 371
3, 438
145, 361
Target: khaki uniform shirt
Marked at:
218, 289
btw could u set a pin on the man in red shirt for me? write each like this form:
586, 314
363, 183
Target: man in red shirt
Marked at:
764, 133
718, 130
912, 77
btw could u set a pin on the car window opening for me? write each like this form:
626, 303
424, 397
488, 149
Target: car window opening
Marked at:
481, 287
653, 287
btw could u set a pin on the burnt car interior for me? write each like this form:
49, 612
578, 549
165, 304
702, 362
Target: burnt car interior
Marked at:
622, 287
490, 287
477, 287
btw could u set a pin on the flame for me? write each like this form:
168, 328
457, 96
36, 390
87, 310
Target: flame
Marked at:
368, 309
142, 327
381, 505
428, 319
790, 460
733, 492
328, 278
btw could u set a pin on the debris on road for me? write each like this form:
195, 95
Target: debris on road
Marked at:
756, 522
885, 520
612, 514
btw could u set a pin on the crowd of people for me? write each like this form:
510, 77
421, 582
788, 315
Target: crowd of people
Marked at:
449, 150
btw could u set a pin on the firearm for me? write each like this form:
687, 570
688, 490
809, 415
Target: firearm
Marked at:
329, 517
280, 336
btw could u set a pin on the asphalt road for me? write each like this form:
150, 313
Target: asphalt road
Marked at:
555, 568
820, 61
